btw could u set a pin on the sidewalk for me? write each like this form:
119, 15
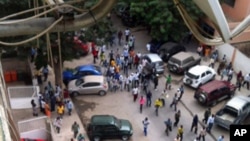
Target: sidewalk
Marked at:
66, 133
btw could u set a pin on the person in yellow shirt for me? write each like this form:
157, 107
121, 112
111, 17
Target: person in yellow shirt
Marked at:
60, 110
158, 104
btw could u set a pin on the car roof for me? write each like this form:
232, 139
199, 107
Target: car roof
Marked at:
93, 78
88, 67
102, 119
212, 85
154, 57
238, 101
182, 55
170, 45
198, 69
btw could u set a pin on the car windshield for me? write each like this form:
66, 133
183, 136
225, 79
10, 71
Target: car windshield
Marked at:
192, 76
231, 111
174, 60
157, 64
117, 122
75, 71
79, 82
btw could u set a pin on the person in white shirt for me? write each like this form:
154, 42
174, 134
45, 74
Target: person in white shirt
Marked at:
127, 33
148, 46
135, 93
210, 123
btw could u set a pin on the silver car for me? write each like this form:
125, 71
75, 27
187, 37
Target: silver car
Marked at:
91, 84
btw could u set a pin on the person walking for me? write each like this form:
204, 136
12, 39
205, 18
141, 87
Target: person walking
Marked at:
135, 92
246, 80
58, 124
33, 104
45, 72
158, 104
174, 102
155, 81
210, 123
181, 91
207, 113
75, 129
230, 74
80, 137
60, 110
195, 124
145, 123
127, 33
120, 37
149, 98
221, 138
47, 110
168, 82
69, 105
177, 117
202, 133
142, 102
163, 96
168, 124
180, 132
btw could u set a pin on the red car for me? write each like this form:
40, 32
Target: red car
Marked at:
213, 92
81, 48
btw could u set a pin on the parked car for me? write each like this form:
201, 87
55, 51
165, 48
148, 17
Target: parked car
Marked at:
213, 92
155, 45
107, 127
234, 112
182, 61
80, 71
154, 61
169, 49
90, 84
198, 75
80, 47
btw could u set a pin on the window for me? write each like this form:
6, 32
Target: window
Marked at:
203, 74
91, 84
229, 2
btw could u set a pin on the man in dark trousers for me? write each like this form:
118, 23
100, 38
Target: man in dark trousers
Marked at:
207, 113
177, 118
195, 124
156, 82
149, 98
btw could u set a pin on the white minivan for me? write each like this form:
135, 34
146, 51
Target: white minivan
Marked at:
198, 75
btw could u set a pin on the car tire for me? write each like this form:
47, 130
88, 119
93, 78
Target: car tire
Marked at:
75, 94
125, 137
102, 93
214, 103
96, 138
202, 98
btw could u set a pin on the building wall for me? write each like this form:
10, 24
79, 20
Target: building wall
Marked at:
237, 13
239, 62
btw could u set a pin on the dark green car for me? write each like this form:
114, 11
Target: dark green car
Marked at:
109, 127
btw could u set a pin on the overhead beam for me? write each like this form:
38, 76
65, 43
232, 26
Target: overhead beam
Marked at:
37, 25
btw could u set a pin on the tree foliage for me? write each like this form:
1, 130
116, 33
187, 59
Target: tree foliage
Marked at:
162, 17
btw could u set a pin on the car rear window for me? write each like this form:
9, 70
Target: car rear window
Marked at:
231, 111
159, 64
192, 76
97, 68
174, 60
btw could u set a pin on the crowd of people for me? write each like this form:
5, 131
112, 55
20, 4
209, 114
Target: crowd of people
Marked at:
125, 70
